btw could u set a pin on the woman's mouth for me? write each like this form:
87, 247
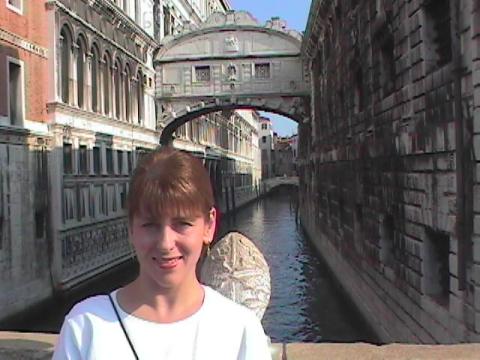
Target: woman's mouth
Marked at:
167, 263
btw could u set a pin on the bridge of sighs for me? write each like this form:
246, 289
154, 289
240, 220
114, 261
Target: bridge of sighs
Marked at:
230, 62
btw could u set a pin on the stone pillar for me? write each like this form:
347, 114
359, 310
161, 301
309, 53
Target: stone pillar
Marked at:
58, 93
113, 96
133, 96
73, 88
101, 87
87, 84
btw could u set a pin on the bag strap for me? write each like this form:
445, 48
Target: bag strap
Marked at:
123, 327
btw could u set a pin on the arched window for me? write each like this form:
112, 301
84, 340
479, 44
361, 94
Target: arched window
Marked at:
117, 83
126, 93
106, 84
140, 91
65, 57
95, 81
81, 71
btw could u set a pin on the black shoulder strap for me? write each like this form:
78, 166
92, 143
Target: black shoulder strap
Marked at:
123, 327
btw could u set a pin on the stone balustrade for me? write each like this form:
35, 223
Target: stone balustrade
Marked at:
36, 346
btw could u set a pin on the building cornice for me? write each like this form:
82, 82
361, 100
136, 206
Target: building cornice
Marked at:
117, 16
22, 43
313, 29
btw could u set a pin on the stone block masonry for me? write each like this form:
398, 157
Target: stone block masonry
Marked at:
388, 164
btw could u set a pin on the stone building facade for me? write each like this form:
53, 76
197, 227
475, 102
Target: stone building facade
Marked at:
266, 147
389, 163
24, 142
78, 112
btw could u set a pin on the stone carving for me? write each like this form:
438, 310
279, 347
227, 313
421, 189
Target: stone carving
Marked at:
237, 269
231, 44
236, 19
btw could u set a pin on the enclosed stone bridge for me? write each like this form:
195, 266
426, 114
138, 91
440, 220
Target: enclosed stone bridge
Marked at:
272, 183
230, 62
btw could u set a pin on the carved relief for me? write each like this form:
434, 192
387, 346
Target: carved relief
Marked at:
231, 44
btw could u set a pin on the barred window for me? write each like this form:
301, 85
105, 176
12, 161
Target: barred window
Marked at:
438, 31
67, 158
262, 71
202, 73
97, 162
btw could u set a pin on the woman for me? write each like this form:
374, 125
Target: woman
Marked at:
166, 313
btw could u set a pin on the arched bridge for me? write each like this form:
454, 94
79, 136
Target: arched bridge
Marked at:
230, 62
272, 183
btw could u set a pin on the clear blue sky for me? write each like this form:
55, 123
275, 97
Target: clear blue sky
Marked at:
295, 12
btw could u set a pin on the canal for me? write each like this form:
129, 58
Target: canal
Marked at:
306, 304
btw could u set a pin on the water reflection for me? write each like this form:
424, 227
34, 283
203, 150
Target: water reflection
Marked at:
305, 305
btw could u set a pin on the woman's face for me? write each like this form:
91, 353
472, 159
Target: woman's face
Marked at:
169, 248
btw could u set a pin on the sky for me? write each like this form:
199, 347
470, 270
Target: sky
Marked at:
295, 12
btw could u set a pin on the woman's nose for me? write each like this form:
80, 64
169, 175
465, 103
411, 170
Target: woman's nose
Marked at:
166, 238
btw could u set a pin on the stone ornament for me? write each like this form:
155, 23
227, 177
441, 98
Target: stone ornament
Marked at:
231, 44
233, 20
237, 269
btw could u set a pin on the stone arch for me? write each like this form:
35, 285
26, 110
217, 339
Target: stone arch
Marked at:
81, 33
249, 66
295, 108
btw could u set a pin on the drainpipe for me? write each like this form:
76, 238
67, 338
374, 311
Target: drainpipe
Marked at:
460, 143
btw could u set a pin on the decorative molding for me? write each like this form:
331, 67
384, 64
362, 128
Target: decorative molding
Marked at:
233, 20
20, 42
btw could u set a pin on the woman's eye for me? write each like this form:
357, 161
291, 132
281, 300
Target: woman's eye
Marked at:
183, 224
146, 225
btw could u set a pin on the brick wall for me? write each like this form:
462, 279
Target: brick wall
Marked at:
24, 37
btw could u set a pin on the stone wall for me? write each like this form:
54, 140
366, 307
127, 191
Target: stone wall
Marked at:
388, 168
24, 248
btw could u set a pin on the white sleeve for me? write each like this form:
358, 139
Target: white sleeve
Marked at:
254, 342
67, 345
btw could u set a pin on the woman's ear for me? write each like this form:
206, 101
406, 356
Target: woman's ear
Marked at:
211, 223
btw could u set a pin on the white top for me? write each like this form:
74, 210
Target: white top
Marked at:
220, 329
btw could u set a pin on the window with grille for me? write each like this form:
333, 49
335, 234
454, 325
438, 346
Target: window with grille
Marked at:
97, 164
82, 159
67, 158
110, 161
437, 32
262, 71
120, 161
202, 73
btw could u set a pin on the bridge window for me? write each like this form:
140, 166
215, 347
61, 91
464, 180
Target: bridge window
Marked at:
262, 71
202, 73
